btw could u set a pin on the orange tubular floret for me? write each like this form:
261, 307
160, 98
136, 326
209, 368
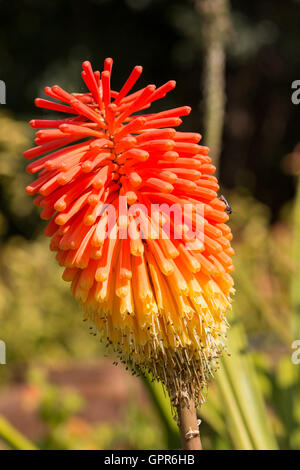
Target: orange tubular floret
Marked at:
157, 287
133, 77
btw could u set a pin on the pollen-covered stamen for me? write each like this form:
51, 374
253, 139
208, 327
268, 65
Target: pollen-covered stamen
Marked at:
156, 287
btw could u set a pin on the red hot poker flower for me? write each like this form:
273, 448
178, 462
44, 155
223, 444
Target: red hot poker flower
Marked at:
135, 220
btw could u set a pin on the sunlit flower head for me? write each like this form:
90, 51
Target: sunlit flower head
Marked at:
135, 220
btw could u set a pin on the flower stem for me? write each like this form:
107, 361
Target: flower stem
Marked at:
188, 422
13, 437
216, 31
161, 403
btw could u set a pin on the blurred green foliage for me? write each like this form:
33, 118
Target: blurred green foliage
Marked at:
58, 408
37, 312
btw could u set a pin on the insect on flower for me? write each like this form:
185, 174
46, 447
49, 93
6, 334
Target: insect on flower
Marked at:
228, 206
114, 186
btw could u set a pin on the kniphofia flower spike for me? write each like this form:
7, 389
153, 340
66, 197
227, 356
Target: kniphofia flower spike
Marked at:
160, 299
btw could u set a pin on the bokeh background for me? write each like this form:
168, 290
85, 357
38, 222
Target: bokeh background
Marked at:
234, 63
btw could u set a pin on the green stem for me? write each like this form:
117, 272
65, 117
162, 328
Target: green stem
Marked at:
162, 405
215, 26
237, 429
242, 377
14, 438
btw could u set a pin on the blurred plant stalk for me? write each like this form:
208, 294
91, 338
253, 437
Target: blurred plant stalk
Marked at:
13, 438
162, 404
237, 379
215, 29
